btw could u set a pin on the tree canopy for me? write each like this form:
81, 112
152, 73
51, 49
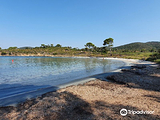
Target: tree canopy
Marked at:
108, 41
89, 45
10, 48
46, 46
58, 45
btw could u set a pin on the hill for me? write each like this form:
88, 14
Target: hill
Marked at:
140, 46
26, 47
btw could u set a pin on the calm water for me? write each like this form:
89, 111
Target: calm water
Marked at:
31, 73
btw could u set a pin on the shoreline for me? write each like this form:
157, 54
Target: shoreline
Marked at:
22, 97
132, 88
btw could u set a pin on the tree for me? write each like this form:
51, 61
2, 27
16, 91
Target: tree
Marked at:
0, 48
152, 50
143, 50
3, 53
10, 48
43, 45
108, 42
89, 45
52, 45
58, 45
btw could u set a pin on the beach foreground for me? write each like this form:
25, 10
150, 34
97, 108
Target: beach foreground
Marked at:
136, 88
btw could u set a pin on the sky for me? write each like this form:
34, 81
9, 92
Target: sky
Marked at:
76, 22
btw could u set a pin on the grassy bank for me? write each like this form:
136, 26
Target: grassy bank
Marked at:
68, 51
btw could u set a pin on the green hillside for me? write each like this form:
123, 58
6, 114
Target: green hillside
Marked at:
140, 46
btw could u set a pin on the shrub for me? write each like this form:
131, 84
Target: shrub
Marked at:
3, 53
54, 53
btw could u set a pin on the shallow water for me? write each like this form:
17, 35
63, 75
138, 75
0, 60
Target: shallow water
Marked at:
31, 73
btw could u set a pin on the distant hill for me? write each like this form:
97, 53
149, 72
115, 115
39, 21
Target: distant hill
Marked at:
139, 46
26, 47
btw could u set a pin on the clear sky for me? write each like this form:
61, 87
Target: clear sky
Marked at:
76, 22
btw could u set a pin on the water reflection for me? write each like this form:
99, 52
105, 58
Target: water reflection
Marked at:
51, 70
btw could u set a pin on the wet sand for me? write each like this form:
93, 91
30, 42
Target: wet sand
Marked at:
133, 88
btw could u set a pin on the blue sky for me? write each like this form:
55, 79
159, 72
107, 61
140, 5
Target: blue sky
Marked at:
76, 22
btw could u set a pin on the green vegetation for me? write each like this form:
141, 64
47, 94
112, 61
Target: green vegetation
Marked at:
46, 46
145, 51
89, 45
58, 45
109, 43
155, 57
11, 48
149, 46
3, 53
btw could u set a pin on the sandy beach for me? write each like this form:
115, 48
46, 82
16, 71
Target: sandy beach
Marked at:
136, 87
